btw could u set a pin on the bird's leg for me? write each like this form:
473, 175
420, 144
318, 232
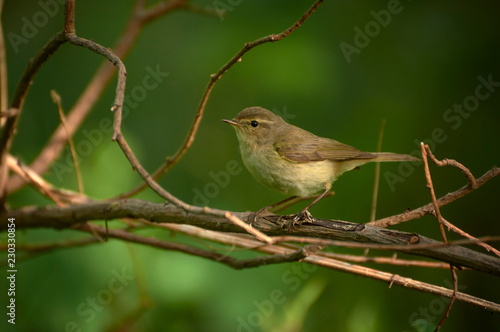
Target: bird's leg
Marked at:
304, 215
267, 208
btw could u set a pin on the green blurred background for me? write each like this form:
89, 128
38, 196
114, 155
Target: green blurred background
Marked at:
410, 73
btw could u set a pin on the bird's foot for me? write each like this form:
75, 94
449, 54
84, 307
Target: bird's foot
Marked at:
258, 214
298, 219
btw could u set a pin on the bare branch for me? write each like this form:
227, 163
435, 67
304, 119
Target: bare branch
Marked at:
472, 184
430, 186
57, 99
280, 254
10, 126
453, 298
124, 235
148, 179
69, 17
425, 151
394, 279
452, 162
377, 173
307, 254
258, 234
122, 74
385, 260
4, 95
34, 179
321, 232
468, 236
428, 208
59, 196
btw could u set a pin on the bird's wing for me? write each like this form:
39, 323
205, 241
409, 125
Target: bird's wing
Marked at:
314, 148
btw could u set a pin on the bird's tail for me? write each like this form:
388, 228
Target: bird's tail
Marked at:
387, 156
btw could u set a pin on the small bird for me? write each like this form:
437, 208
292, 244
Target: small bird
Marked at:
294, 161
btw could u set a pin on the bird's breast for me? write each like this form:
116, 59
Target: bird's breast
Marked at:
285, 176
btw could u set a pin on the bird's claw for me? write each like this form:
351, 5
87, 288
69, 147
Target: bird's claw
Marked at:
298, 219
257, 215
302, 217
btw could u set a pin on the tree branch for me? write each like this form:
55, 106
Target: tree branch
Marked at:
67, 216
57, 100
4, 95
429, 209
59, 196
10, 125
279, 254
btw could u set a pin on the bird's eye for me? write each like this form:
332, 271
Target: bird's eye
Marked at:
254, 123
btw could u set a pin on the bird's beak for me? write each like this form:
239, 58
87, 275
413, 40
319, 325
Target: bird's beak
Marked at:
232, 122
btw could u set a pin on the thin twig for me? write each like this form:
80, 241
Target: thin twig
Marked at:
4, 90
472, 184
467, 235
367, 237
385, 260
150, 241
428, 178
403, 248
258, 234
454, 163
171, 161
147, 178
426, 151
122, 75
69, 17
429, 209
57, 99
10, 126
44, 187
293, 256
38, 183
452, 300
394, 279
377, 172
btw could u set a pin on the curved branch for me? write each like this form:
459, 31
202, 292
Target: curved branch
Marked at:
10, 125
95, 87
122, 74
429, 208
